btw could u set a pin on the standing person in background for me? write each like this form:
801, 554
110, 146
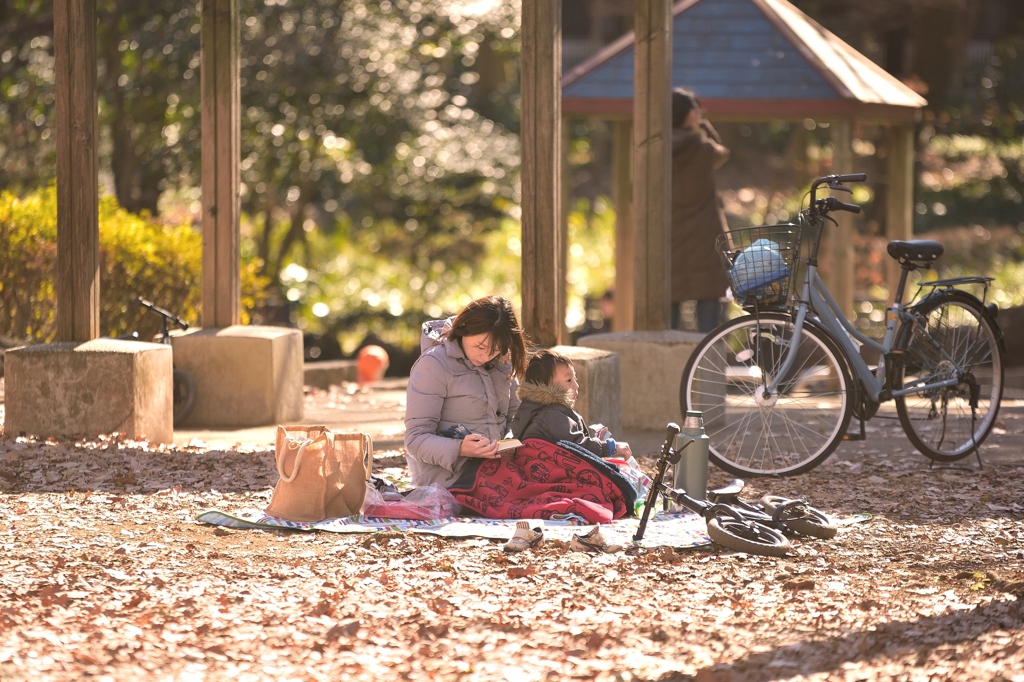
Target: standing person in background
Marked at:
697, 215
465, 380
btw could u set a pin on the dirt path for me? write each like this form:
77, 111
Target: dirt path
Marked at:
105, 574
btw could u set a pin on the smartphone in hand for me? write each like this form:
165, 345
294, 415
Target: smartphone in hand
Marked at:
458, 432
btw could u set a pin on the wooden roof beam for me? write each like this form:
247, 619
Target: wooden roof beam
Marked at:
752, 110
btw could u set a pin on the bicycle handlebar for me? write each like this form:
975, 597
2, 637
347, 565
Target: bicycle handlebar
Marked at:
838, 179
821, 208
835, 182
833, 204
667, 455
169, 316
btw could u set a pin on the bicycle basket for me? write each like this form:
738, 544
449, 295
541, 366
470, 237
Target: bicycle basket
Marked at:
760, 262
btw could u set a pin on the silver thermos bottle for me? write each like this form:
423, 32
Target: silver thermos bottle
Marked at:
691, 473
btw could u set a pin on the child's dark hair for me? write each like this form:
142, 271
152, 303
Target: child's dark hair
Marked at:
493, 316
543, 363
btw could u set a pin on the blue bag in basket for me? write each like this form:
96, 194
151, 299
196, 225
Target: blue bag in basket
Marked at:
757, 266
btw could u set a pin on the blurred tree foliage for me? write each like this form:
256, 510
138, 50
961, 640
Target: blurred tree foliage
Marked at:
346, 294
374, 118
138, 256
388, 125
379, 137
967, 59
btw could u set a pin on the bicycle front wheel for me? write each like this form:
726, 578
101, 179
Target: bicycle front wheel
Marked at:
785, 433
803, 519
751, 538
950, 337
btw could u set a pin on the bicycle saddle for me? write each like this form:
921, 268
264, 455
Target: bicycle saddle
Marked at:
729, 491
915, 250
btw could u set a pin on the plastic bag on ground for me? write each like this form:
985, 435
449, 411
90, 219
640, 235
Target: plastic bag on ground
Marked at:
630, 468
423, 504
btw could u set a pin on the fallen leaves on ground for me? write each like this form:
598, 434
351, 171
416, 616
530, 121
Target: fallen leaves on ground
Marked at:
105, 573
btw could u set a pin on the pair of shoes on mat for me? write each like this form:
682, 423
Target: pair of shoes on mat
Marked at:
593, 542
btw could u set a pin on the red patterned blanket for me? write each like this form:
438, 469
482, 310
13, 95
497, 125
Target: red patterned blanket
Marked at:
544, 479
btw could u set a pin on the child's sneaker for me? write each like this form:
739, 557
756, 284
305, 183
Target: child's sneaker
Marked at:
593, 542
524, 538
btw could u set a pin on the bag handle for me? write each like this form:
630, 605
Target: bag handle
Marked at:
298, 458
367, 455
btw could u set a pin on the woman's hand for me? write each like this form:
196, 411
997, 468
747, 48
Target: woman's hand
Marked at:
622, 449
475, 445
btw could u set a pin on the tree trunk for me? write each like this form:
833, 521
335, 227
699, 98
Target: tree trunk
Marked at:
123, 163
263, 237
295, 233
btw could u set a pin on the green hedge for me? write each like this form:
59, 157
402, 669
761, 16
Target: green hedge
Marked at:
138, 256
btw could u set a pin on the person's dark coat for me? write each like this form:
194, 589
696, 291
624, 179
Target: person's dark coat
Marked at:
546, 413
697, 216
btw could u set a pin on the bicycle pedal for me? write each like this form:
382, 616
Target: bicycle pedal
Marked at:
853, 436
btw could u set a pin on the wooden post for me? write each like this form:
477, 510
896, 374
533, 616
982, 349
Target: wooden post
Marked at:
77, 279
840, 278
622, 196
899, 209
652, 163
221, 156
562, 227
543, 227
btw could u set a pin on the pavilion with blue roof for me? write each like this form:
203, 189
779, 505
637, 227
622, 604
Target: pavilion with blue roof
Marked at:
751, 60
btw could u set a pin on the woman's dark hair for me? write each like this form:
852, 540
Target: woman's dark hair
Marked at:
493, 316
683, 102
541, 369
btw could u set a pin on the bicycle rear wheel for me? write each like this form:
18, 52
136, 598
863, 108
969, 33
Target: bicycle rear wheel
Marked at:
951, 338
184, 396
752, 538
784, 434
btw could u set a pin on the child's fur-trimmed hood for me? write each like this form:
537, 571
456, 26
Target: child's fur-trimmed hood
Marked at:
545, 394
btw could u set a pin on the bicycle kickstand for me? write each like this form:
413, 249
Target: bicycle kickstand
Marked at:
862, 436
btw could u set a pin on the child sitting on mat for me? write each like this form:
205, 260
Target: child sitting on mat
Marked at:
548, 393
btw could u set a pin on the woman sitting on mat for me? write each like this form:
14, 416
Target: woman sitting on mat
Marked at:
466, 378
548, 393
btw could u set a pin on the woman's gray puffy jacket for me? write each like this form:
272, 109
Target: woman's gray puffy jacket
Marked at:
446, 389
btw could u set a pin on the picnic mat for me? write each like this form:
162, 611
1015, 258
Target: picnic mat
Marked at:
673, 529
664, 529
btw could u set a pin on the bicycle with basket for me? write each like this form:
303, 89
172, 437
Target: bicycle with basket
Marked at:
779, 385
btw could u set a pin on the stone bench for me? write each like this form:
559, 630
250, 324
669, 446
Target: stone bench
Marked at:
600, 398
329, 373
245, 375
91, 388
651, 366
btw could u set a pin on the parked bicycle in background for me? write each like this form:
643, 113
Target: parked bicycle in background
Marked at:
779, 386
184, 386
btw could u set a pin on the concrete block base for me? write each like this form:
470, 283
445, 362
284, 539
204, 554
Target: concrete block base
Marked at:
600, 399
245, 376
651, 365
330, 373
97, 387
